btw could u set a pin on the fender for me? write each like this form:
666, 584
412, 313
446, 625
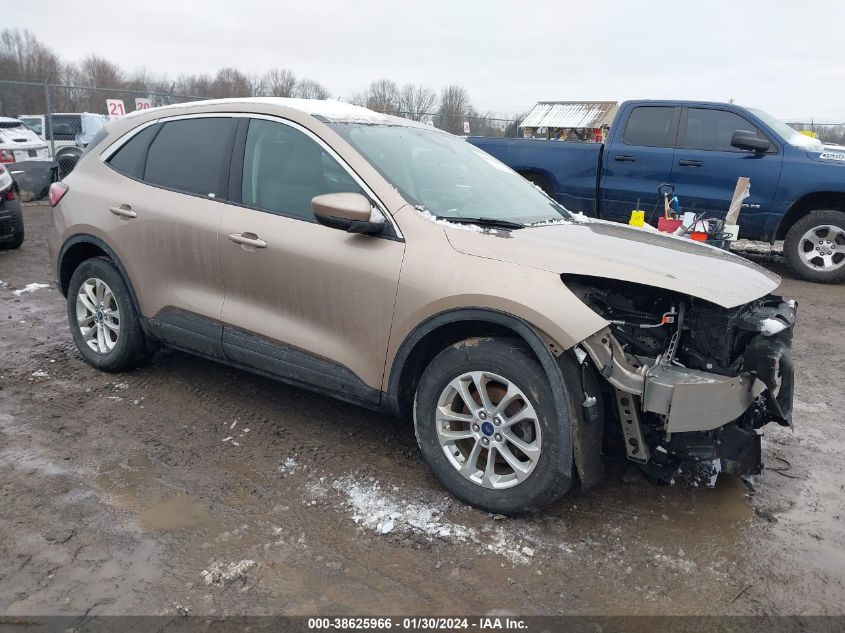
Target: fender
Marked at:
563, 404
85, 238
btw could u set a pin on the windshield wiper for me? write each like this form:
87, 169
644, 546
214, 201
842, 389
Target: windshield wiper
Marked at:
502, 224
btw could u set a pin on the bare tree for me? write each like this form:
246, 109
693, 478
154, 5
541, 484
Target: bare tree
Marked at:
415, 102
310, 89
24, 58
231, 82
454, 108
278, 82
383, 96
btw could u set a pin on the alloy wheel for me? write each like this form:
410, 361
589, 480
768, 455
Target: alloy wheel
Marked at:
97, 315
488, 429
823, 247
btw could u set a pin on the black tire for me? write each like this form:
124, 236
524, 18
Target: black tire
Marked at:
512, 360
66, 163
130, 349
13, 233
794, 245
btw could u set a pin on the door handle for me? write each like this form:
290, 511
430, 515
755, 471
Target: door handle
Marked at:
248, 239
625, 157
124, 211
684, 162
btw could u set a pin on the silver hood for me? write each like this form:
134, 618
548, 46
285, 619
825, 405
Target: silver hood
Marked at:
617, 251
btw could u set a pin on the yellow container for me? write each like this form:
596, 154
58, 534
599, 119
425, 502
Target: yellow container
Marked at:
637, 218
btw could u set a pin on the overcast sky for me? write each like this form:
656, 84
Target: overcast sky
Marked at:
786, 58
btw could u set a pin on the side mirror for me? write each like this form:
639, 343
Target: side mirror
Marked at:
348, 212
749, 141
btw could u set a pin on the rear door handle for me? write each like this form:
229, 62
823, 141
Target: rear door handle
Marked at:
248, 239
625, 157
124, 211
684, 162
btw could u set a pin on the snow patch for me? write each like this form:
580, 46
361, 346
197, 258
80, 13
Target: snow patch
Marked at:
219, 574
289, 466
30, 288
770, 327
474, 228
40, 373
382, 512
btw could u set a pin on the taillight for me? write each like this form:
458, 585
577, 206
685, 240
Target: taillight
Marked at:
7, 156
57, 192
10, 194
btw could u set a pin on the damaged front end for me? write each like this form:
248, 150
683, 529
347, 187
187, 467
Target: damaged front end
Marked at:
691, 382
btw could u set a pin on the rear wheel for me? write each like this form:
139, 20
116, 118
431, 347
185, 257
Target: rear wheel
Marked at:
814, 247
102, 317
12, 233
487, 426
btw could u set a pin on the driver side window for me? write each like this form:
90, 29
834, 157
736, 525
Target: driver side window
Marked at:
284, 168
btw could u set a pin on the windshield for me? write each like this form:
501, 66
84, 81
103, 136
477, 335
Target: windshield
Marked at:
449, 177
786, 133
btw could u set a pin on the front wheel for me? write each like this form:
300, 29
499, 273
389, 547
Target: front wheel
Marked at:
814, 247
487, 426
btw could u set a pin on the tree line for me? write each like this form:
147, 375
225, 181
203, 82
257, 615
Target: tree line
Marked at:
24, 58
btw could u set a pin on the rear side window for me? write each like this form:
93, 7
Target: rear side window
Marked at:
649, 126
192, 155
66, 126
129, 159
284, 168
712, 129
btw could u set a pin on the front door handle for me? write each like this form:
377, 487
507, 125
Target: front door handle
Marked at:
685, 162
124, 211
248, 239
625, 157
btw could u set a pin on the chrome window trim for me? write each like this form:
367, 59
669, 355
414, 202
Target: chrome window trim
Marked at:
107, 153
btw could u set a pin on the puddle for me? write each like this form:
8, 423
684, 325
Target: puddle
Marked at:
176, 513
138, 484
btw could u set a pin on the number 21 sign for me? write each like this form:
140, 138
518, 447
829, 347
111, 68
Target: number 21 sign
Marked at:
115, 108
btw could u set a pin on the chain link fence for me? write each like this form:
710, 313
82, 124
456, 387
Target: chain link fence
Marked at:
65, 117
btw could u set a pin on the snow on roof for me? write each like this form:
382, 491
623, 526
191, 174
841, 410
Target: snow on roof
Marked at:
571, 114
6, 119
328, 109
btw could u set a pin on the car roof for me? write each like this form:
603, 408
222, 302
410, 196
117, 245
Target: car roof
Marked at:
327, 110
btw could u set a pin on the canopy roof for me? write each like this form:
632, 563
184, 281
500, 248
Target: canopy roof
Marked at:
571, 114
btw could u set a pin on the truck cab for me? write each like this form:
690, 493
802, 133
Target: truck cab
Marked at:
702, 148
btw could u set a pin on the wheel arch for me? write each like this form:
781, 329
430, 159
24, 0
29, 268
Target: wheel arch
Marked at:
807, 203
70, 150
446, 328
539, 177
81, 247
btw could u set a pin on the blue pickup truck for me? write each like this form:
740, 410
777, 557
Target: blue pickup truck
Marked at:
797, 183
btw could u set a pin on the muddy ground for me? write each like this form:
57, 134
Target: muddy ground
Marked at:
118, 494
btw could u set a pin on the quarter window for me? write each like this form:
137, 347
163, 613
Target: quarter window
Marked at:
284, 168
649, 126
712, 129
192, 155
130, 158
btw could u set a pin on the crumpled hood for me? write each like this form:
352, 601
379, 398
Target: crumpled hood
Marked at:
617, 251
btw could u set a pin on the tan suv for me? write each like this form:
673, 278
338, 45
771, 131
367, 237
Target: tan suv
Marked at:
395, 266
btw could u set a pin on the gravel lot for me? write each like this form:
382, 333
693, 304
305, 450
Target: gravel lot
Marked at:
121, 494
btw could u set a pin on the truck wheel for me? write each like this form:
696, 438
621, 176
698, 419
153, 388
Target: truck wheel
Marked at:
814, 247
14, 236
487, 426
102, 317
